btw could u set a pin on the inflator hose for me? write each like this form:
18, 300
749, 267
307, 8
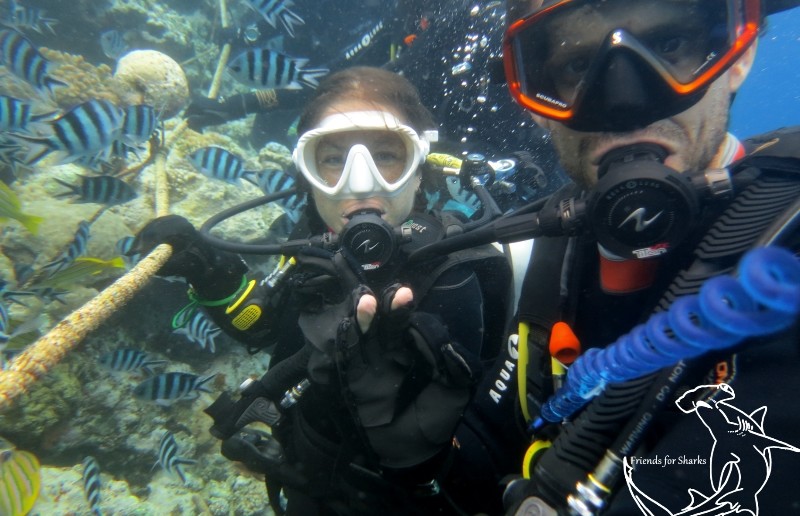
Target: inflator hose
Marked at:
618, 418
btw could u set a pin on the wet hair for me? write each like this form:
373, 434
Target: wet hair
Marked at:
371, 85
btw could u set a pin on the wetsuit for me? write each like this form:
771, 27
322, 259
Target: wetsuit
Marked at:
372, 431
761, 371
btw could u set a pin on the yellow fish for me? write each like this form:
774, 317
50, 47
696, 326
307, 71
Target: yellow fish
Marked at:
80, 269
10, 208
20, 480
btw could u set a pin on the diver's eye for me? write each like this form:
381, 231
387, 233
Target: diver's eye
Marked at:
386, 158
676, 49
577, 66
669, 46
330, 160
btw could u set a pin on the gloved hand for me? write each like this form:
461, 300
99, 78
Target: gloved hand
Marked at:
212, 273
328, 288
203, 111
408, 381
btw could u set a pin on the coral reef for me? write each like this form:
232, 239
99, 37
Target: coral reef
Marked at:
41, 413
83, 80
79, 408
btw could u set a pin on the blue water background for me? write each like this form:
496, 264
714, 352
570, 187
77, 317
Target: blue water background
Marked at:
770, 98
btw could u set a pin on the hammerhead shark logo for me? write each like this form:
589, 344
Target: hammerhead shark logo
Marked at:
740, 461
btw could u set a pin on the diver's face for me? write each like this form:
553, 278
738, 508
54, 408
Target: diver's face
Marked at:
389, 153
691, 138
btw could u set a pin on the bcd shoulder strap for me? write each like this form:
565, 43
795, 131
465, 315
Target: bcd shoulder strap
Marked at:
777, 150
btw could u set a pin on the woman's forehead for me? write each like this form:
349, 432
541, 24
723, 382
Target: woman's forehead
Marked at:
358, 105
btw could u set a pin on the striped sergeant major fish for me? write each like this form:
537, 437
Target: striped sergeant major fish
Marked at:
104, 162
168, 456
218, 163
106, 190
113, 44
76, 248
276, 180
124, 247
16, 115
266, 68
91, 484
85, 130
275, 11
127, 360
12, 153
21, 17
168, 388
201, 330
139, 124
25, 61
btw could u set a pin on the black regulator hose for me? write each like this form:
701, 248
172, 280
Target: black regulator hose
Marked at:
214, 220
529, 222
287, 248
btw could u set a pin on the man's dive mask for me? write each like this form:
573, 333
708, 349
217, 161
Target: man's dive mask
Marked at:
361, 154
616, 65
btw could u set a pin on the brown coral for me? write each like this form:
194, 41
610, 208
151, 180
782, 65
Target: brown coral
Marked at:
84, 81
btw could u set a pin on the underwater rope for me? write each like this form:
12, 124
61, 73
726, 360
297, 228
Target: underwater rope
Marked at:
49, 349
764, 300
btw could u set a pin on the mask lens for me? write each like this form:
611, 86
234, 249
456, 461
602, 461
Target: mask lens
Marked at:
387, 149
552, 55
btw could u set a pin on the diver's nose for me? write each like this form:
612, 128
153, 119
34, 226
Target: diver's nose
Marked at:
626, 83
360, 179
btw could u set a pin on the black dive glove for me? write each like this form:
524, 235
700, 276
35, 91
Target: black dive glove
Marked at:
406, 381
211, 272
203, 112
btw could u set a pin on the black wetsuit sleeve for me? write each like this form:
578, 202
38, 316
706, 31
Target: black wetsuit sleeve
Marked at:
243, 104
